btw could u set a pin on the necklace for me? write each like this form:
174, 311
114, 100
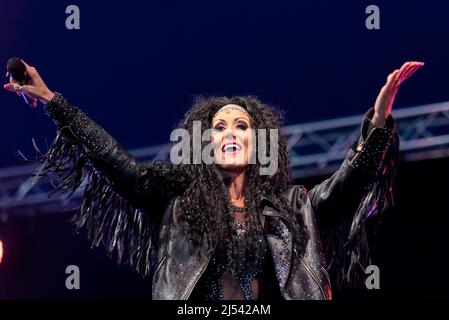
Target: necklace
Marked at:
237, 209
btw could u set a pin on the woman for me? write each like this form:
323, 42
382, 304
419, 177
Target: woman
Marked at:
223, 230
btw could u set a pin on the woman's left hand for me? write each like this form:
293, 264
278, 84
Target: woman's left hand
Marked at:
385, 99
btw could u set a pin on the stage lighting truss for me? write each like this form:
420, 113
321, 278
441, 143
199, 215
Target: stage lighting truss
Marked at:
316, 149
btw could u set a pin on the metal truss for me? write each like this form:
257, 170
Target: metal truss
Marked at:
316, 148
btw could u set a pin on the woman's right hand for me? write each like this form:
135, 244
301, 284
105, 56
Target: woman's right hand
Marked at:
36, 89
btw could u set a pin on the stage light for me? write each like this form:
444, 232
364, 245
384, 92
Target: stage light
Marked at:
1, 251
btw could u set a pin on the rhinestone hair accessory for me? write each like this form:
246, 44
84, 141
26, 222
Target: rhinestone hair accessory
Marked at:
232, 106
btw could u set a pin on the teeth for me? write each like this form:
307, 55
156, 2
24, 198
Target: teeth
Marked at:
231, 147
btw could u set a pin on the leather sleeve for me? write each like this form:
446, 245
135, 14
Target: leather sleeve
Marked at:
122, 201
135, 181
340, 196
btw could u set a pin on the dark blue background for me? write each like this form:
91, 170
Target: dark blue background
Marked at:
135, 66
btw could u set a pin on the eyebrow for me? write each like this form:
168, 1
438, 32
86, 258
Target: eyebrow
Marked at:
241, 118
217, 121
236, 119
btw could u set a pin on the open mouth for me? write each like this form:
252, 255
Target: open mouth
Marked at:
232, 147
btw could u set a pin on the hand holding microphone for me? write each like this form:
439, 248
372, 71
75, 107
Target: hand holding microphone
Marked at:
26, 82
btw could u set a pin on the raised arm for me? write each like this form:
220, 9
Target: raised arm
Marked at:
339, 196
134, 181
144, 184
361, 187
123, 199
367, 161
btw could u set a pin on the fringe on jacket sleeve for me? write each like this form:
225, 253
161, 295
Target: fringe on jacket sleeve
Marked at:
346, 244
118, 193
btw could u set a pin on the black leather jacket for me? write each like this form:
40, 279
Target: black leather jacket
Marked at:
133, 189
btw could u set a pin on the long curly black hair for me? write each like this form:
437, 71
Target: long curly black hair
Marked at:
205, 206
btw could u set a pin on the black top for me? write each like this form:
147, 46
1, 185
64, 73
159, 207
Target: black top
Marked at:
248, 278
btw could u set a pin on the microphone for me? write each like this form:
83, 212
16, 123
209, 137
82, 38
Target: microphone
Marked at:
16, 69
